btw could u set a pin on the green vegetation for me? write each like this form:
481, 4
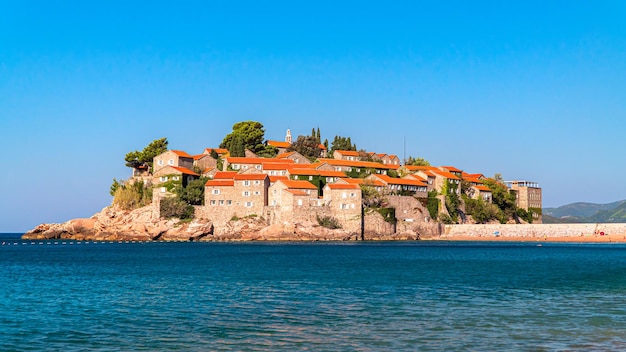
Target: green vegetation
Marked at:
144, 157
173, 207
193, 194
481, 210
308, 146
131, 196
388, 214
341, 143
417, 161
247, 135
328, 222
433, 204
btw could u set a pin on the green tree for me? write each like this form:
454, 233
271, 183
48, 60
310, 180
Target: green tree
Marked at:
245, 135
138, 158
307, 146
193, 194
417, 161
342, 143
502, 198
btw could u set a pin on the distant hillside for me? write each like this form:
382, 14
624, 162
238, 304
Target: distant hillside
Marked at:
586, 212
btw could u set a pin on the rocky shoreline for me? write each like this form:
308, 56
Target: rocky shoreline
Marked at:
114, 224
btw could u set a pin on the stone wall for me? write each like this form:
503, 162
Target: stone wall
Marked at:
522, 231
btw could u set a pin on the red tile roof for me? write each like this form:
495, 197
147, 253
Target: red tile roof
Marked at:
220, 183
298, 184
224, 175
184, 170
348, 152
182, 153
400, 181
358, 164
278, 178
342, 186
277, 166
279, 144
361, 181
220, 151
297, 192
244, 160
250, 177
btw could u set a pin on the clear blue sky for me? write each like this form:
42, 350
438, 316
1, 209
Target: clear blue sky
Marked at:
533, 90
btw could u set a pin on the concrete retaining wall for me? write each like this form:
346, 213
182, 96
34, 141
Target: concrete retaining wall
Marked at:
532, 230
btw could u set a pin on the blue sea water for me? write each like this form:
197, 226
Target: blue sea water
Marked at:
352, 296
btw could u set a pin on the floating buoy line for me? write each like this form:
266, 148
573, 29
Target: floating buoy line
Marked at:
69, 242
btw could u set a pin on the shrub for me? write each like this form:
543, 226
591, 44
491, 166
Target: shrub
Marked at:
172, 207
132, 196
328, 222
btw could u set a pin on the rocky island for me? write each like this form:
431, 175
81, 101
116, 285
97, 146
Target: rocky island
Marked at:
252, 189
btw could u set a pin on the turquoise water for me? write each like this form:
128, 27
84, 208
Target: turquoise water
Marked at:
426, 296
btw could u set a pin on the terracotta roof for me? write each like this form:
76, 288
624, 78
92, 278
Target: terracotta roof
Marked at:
243, 160
297, 192
362, 181
220, 151
250, 177
279, 144
284, 155
314, 172
357, 164
348, 152
298, 184
482, 188
220, 183
182, 153
184, 170
342, 186
277, 166
278, 178
445, 174
322, 147
400, 181
224, 175
452, 169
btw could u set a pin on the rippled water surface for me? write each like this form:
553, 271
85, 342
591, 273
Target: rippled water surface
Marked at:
76, 296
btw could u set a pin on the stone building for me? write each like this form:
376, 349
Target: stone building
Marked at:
527, 197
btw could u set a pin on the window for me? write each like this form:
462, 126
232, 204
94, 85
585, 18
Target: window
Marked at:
221, 202
256, 193
245, 167
258, 167
310, 178
175, 178
212, 201
216, 191
299, 201
246, 194
163, 189
160, 162
170, 162
248, 204
163, 178
274, 202
344, 195
344, 206
246, 183
257, 182
352, 195
229, 202
236, 166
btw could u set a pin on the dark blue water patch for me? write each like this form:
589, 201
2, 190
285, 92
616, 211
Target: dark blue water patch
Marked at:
312, 296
